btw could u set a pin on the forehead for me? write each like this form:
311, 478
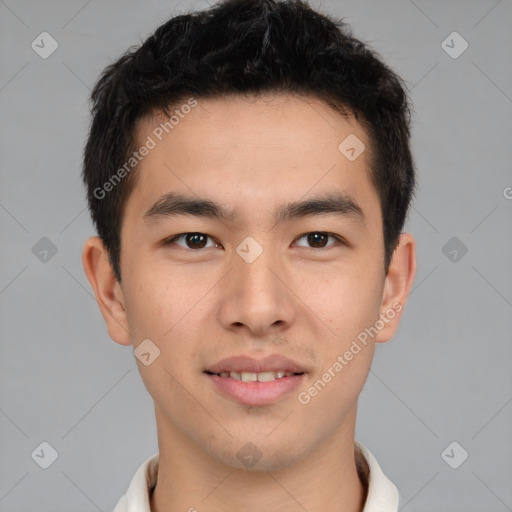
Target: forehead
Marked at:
250, 151
265, 122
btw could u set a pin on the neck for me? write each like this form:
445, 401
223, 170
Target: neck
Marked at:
325, 480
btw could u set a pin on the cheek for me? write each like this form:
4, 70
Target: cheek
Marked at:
330, 397
347, 303
161, 307
157, 310
156, 300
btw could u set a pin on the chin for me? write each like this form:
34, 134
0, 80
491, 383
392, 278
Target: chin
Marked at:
258, 457
264, 465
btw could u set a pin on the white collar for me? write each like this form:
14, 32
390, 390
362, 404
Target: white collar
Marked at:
382, 494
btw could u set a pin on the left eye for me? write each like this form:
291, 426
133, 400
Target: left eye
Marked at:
317, 239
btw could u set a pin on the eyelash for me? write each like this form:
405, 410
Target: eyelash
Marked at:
174, 238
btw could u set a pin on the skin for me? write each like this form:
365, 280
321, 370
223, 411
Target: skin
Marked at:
202, 305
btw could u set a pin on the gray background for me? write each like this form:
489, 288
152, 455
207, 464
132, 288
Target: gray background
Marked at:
445, 377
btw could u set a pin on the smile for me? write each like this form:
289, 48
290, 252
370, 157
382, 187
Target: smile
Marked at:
256, 377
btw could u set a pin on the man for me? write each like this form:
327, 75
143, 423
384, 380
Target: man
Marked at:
249, 174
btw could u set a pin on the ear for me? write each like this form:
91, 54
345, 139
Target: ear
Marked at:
397, 285
107, 289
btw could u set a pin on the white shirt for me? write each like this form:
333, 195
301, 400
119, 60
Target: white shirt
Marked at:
382, 494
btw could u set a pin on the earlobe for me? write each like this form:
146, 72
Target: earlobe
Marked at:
106, 288
397, 285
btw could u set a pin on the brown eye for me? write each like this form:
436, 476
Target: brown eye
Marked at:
196, 240
192, 240
318, 239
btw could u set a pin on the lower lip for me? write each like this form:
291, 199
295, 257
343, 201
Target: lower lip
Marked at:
256, 393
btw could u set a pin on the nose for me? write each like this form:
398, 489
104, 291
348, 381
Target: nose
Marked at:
257, 297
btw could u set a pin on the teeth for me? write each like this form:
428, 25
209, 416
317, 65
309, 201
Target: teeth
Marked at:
266, 376
256, 377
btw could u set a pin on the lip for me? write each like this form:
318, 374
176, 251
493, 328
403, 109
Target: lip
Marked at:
256, 393
271, 363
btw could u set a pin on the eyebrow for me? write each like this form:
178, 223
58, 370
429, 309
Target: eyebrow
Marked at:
172, 204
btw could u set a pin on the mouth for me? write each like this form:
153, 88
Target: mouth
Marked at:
255, 382
255, 376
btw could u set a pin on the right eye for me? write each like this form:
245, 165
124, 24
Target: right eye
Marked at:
192, 240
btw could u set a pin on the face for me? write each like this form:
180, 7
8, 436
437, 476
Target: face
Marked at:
251, 287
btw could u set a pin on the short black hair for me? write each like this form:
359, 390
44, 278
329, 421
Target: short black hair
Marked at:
242, 47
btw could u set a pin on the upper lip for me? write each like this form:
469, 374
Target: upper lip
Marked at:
272, 363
